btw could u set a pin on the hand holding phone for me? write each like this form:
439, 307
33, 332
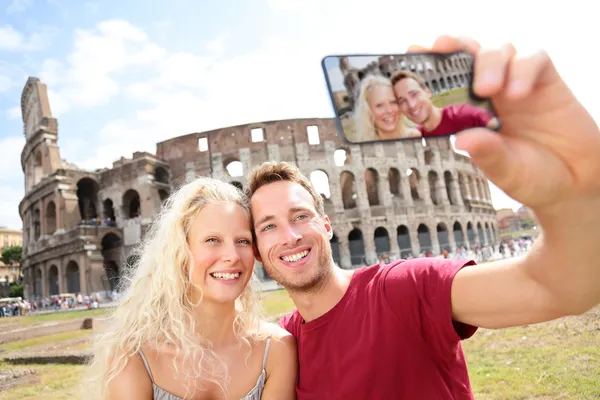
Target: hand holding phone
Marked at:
395, 97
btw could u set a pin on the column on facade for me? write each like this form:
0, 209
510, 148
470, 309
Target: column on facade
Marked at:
414, 239
383, 187
43, 225
455, 189
393, 236
369, 242
344, 247
246, 160
424, 188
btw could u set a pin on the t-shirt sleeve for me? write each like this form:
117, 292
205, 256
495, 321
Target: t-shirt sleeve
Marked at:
476, 116
419, 292
289, 323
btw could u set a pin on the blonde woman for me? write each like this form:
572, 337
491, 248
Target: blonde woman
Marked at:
377, 114
186, 326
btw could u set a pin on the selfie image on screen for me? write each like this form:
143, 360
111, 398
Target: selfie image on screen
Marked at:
391, 97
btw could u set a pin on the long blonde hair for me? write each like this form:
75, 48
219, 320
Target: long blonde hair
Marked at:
363, 117
155, 308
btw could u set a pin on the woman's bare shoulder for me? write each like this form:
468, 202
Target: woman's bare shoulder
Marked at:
133, 380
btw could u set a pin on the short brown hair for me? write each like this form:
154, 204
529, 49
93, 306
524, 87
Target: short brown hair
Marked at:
269, 172
399, 75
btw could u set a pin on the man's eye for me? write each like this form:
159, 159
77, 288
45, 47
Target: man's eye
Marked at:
267, 227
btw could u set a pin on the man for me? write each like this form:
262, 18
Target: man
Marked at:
394, 331
414, 99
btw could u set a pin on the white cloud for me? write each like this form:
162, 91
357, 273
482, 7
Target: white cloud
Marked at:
18, 6
10, 39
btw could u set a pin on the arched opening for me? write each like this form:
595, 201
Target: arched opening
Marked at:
109, 212
320, 181
382, 241
348, 186
470, 233
36, 224
436, 87
488, 234
424, 239
357, 247
87, 193
372, 183
161, 175
50, 218
335, 250
234, 168
395, 182
459, 237
73, 279
443, 237
403, 237
164, 195
433, 185
53, 280
111, 253
449, 182
429, 156
414, 181
131, 204
341, 157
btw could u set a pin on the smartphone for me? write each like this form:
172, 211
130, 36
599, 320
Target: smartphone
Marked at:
405, 96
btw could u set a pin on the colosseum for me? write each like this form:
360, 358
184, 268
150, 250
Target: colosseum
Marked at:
399, 199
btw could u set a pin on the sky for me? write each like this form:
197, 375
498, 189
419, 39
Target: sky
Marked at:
124, 75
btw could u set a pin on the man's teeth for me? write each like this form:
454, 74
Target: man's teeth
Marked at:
295, 257
415, 112
225, 275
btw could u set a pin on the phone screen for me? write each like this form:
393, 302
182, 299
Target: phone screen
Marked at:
405, 96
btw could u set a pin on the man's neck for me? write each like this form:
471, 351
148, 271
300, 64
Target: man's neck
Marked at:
313, 304
434, 120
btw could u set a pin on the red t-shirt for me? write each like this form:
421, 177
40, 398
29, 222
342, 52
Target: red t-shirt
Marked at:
458, 118
391, 336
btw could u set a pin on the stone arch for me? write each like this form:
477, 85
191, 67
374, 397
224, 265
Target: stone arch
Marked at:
372, 184
38, 169
443, 237
459, 237
348, 186
87, 195
470, 233
382, 241
53, 286
488, 233
109, 212
36, 224
131, 204
425, 244
480, 234
50, 218
433, 186
449, 82
462, 183
449, 182
395, 182
161, 175
414, 180
233, 167
39, 283
357, 247
403, 238
436, 87
73, 277
320, 181
335, 250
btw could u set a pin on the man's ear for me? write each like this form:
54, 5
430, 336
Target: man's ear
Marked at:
328, 227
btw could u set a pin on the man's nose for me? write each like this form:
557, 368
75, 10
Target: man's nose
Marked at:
290, 236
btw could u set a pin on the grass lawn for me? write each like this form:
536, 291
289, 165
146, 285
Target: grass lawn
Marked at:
553, 360
54, 316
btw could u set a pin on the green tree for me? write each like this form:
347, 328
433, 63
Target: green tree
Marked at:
528, 223
11, 256
16, 291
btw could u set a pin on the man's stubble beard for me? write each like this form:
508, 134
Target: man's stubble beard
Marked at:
324, 270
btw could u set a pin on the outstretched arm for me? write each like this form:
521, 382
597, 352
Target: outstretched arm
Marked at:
546, 156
